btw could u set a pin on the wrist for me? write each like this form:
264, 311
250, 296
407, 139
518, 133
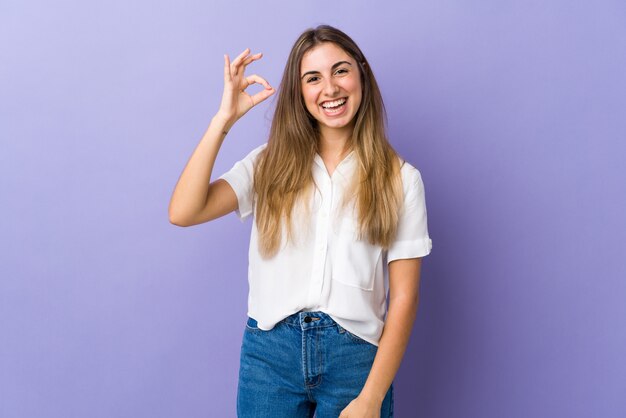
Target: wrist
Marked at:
373, 401
372, 398
224, 121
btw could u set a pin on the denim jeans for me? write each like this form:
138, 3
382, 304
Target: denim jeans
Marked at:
307, 364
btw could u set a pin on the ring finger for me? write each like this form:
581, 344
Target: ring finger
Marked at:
248, 60
237, 60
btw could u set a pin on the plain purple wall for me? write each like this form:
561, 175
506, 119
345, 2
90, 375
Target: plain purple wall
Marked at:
514, 112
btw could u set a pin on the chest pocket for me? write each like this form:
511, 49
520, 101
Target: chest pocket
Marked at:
354, 260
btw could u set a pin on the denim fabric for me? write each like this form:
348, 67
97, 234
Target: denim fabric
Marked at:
306, 366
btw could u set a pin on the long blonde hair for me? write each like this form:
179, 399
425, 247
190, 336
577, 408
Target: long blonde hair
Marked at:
283, 175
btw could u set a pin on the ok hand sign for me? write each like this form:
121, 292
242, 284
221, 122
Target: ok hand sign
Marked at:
235, 101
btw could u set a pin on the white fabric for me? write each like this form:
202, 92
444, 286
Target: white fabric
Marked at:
327, 269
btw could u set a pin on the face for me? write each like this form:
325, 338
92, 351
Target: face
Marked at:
331, 87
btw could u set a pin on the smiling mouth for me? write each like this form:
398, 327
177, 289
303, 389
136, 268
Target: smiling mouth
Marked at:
334, 106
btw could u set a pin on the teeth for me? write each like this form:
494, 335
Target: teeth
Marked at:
334, 103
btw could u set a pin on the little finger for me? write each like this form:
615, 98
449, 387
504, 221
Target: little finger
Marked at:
227, 76
251, 58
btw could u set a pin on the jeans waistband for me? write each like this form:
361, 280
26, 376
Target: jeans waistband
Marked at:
309, 319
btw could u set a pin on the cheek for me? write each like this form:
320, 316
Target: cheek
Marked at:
309, 98
355, 85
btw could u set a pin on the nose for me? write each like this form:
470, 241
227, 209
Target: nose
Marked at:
331, 88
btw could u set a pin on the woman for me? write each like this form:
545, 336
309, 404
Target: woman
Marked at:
336, 212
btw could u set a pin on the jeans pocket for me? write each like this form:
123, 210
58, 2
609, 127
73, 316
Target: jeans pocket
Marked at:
251, 325
352, 336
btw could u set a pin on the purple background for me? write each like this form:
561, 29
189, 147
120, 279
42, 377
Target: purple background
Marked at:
514, 112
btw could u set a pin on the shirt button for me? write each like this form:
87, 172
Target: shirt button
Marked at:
307, 319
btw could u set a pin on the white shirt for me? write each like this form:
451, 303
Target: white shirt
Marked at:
327, 268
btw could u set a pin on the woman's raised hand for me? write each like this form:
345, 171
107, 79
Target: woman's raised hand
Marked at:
235, 101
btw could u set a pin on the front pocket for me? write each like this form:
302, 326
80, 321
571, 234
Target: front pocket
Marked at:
357, 338
251, 325
352, 336
354, 260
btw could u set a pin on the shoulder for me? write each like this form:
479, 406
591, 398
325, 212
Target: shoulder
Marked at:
411, 176
249, 160
244, 168
252, 155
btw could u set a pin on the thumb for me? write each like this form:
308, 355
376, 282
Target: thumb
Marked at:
263, 95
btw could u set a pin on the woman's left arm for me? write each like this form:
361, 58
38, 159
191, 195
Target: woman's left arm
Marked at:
404, 276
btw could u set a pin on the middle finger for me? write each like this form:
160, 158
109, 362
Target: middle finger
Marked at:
246, 61
251, 58
237, 60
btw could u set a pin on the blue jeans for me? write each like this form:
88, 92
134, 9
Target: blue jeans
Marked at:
307, 364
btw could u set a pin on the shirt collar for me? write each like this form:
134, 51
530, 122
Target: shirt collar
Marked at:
343, 165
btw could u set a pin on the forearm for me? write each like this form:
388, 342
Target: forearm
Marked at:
391, 348
190, 194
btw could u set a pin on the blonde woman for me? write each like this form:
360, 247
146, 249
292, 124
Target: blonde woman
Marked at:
339, 221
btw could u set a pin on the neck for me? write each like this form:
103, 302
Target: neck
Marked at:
333, 142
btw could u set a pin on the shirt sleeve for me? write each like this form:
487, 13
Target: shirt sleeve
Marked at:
412, 240
241, 179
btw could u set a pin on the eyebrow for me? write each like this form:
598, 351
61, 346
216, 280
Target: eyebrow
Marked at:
335, 65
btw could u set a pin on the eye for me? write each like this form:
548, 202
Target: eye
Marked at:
342, 70
311, 79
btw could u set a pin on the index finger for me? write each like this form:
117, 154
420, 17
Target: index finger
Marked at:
227, 75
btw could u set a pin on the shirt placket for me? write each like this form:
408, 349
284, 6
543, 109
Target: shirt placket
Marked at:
321, 242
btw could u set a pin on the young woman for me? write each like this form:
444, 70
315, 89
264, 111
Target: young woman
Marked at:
339, 222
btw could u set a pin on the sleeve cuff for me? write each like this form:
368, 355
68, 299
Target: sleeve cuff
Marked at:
410, 249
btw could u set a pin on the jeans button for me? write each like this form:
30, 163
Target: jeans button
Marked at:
307, 319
